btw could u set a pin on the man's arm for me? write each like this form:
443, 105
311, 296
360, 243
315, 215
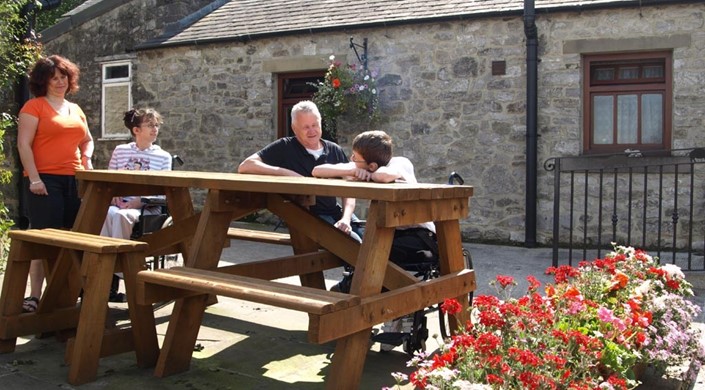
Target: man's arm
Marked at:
344, 170
255, 165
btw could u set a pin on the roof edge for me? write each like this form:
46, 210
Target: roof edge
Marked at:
162, 42
71, 20
174, 28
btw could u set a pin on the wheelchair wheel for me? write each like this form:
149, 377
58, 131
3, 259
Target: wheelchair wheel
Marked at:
442, 320
419, 333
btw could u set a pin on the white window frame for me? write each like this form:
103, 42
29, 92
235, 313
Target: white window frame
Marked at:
113, 132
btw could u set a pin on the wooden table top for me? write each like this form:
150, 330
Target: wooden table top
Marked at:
281, 184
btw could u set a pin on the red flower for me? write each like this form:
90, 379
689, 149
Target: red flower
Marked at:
673, 284
451, 306
619, 280
534, 283
494, 379
336, 83
505, 280
417, 380
562, 273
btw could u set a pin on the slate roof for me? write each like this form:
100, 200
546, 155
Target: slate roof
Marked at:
243, 20
249, 19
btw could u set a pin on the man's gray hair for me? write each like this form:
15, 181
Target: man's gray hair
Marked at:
305, 106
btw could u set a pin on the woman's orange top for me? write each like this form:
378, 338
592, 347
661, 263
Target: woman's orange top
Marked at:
57, 139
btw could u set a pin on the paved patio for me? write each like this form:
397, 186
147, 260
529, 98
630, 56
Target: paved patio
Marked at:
252, 346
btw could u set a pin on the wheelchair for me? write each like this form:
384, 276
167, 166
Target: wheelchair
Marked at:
150, 223
413, 331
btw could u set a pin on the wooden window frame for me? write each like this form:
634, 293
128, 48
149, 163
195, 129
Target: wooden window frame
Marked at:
614, 88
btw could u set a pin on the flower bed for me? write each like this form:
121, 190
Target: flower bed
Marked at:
589, 330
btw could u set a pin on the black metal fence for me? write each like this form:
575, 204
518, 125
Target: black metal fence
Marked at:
652, 200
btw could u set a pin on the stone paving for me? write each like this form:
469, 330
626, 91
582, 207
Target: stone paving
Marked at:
252, 346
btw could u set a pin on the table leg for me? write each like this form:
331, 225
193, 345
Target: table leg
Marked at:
349, 359
181, 335
13, 288
186, 318
98, 273
450, 254
302, 244
144, 331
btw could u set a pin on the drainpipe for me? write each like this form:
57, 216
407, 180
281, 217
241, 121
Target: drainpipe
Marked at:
531, 122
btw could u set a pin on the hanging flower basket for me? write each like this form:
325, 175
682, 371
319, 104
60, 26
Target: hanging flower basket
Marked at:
348, 91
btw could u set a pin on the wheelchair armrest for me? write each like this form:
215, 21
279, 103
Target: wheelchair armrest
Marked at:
154, 201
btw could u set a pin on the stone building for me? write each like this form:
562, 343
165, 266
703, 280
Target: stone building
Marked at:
451, 74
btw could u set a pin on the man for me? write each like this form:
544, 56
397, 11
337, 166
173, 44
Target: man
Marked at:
298, 155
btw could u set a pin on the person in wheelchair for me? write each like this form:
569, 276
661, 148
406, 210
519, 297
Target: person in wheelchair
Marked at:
414, 247
141, 154
372, 160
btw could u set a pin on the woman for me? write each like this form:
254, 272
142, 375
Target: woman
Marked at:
54, 142
140, 155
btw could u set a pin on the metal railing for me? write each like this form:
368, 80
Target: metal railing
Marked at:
653, 200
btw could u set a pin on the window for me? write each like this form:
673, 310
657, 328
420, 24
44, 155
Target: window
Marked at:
292, 88
116, 98
627, 99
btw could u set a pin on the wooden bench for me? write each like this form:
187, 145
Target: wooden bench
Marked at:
151, 287
97, 258
259, 236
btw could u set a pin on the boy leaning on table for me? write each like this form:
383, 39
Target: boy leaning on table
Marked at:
372, 160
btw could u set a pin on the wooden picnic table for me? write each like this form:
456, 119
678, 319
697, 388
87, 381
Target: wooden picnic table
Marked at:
200, 234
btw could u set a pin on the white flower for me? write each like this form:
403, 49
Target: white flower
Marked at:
374, 91
643, 288
367, 77
361, 88
332, 57
399, 376
673, 271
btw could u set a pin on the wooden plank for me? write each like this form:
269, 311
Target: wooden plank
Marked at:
142, 323
259, 236
388, 305
241, 287
115, 341
450, 255
97, 269
279, 184
337, 242
283, 267
177, 349
169, 239
24, 324
410, 212
77, 241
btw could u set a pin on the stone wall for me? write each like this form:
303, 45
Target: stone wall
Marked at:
111, 34
440, 101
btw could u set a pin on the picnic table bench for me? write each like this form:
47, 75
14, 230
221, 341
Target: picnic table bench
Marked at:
199, 233
95, 259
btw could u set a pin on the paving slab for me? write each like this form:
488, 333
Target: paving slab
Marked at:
243, 345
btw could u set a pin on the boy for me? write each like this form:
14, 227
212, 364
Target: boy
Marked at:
372, 160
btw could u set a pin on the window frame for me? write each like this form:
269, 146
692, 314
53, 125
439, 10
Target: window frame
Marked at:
107, 83
639, 86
